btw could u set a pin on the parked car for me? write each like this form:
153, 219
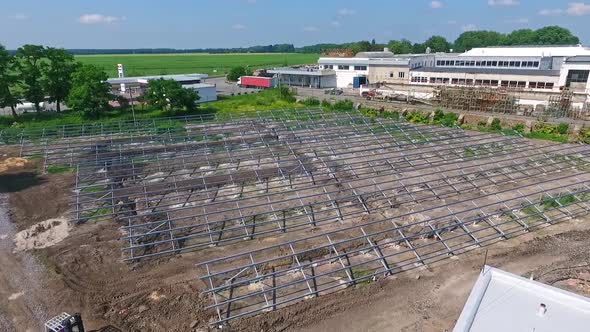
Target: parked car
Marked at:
335, 92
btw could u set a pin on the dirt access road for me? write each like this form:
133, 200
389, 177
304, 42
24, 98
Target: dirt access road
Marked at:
22, 304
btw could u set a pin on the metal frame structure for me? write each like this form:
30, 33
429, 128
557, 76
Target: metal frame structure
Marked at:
288, 205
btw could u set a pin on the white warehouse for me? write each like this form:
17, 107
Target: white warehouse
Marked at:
534, 68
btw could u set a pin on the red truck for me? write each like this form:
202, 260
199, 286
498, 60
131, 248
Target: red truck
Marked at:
257, 82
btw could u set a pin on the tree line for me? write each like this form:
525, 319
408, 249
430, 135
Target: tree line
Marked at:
550, 35
37, 74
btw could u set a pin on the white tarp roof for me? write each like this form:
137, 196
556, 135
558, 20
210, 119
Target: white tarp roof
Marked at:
502, 301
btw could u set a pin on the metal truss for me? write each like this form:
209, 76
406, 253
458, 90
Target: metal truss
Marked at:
284, 206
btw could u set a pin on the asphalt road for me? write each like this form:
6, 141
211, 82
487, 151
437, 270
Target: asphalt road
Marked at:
227, 88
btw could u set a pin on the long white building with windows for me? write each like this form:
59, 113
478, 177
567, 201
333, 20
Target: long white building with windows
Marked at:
537, 68
534, 68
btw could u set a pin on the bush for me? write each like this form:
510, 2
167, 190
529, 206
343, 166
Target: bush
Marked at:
563, 128
519, 128
312, 102
417, 117
237, 72
584, 136
445, 119
545, 128
286, 94
438, 115
496, 124
343, 105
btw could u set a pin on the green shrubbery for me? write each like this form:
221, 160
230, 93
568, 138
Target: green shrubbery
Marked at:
496, 125
444, 119
550, 132
584, 136
519, 128
342, 105
312, 102
417, 117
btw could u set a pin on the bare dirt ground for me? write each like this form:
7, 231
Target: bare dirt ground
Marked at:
84, 273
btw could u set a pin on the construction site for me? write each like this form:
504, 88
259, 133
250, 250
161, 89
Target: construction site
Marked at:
506, 101
266, 220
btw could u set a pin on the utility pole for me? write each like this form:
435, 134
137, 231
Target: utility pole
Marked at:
132, 107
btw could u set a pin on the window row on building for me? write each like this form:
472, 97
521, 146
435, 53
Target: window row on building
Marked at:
501, 83
344, 67
400, 74
418, 79
487, 63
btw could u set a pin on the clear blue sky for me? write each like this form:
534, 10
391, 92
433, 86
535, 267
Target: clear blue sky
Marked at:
235, 23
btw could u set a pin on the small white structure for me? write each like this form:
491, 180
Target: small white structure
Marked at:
502, 301
29, 107
207, 92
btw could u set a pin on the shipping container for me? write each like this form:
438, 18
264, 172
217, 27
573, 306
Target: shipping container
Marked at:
257, 82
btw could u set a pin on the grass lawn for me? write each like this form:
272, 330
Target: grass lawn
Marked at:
212, 64
34, 124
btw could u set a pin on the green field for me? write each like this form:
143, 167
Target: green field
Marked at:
212, 64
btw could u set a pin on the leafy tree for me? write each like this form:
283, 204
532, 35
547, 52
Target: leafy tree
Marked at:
236, 72
362, 46
554, 35
90, 93
403, 46
57, 72
29, 64
418, 48
521, 37
8, 81
471, 39
437, 44
165, 94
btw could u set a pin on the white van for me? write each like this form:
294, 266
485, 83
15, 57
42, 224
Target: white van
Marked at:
25, 107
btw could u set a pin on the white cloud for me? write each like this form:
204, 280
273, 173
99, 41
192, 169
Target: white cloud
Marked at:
469, 27
99, 19
346, 12
238, 26
578, 9
573, 9
522, 20
436, 4
19, 17
505, 3
310, 29
335, 24
550, 12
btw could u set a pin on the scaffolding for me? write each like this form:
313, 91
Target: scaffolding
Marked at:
561, 106
477, 99
284, 206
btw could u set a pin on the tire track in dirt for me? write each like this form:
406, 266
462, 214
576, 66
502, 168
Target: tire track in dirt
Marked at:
22, 284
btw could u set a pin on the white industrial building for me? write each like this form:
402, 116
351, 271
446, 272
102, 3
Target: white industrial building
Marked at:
305, 77
502, 301
366, 68
207, 92
533, 68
